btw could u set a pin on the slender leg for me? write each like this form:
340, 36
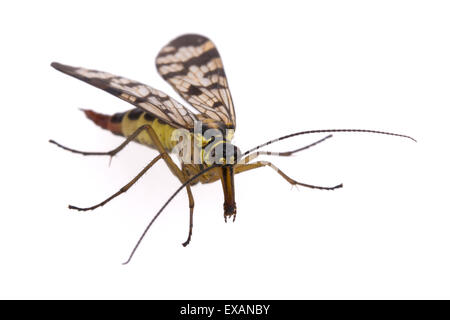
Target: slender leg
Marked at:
239, 168
254, 155
191, 215
110, 153
153, 136
123, 189
178, 173
163, 154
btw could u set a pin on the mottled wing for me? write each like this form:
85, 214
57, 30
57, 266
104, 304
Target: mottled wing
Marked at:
192, 65
145, 97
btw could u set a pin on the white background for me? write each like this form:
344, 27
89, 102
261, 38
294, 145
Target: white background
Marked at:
291, 66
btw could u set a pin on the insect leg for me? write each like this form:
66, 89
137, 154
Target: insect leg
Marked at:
239, 168
177, 172
123, 189
191, 216
255, 154
110, 153
163, 154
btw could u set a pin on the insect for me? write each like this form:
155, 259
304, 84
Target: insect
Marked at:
202, 139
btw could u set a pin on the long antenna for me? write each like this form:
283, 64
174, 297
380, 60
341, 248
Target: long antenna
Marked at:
164, 206
324, 131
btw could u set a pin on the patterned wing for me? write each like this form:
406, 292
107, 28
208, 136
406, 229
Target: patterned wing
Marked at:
145, 97
192, 65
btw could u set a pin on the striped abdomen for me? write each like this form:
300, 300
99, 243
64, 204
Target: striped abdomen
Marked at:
126, 123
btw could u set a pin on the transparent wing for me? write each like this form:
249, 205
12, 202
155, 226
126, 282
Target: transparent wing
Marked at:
192, 65
145, 97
